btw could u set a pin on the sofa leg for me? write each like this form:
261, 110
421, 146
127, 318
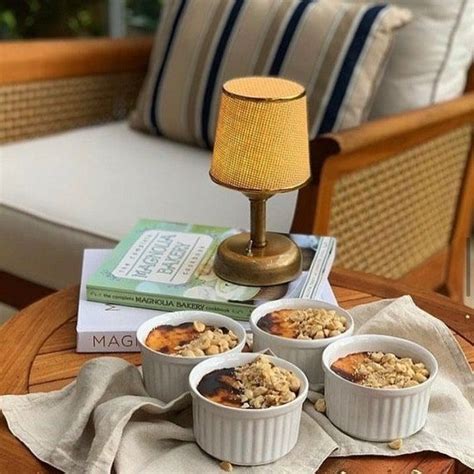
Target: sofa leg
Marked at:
19, 293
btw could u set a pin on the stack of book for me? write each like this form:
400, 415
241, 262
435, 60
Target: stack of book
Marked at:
164, 266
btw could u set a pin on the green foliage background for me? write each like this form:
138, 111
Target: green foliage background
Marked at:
22, 19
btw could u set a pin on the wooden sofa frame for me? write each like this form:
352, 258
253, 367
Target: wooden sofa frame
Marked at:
333, 155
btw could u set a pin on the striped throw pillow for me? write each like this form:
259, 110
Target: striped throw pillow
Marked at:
336, 50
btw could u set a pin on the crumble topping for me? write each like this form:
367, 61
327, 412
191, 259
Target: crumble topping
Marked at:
258, 384
210, 341
381, 370
309, 323
265, 385
194, 339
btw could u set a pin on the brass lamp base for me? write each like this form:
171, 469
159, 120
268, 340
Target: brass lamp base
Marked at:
279, 261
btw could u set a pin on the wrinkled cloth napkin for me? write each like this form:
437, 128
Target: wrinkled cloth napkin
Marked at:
106, 419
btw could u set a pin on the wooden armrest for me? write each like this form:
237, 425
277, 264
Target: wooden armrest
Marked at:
27, 61
391, 129
374, 141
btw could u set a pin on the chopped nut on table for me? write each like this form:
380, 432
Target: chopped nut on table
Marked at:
395, 444
320, 405
416, 471
226, 466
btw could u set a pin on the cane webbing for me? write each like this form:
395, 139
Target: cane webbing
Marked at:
40, 108
391, 216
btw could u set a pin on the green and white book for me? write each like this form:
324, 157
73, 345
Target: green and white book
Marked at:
169, 266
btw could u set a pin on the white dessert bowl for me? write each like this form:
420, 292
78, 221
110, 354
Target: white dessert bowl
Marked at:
377, 414
245, 436
305, 354
166, 375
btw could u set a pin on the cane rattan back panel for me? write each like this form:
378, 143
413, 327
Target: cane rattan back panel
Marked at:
33, 109
392, 215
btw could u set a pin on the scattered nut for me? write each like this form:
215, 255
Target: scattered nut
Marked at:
212, 350
419, 377
294, 382
320, 405
395, 444
199, 326
376, 356
416, 471
187, 353
226, 466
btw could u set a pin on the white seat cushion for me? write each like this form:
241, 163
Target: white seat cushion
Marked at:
102, 179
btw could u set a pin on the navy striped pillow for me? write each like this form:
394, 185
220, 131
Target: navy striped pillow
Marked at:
337, 51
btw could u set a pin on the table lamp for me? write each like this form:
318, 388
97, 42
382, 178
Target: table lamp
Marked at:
261, 148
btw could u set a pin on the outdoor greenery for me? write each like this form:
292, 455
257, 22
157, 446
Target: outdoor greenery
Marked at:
22, 19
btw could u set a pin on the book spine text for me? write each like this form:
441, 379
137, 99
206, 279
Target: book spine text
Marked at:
168, 303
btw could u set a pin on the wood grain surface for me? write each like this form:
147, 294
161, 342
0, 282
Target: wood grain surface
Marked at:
37, 350
39, 60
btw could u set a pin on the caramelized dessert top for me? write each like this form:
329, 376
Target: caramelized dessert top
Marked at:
193, 339
381, 370
258, 384
310, 323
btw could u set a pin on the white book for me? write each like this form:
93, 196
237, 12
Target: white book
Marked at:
103, 327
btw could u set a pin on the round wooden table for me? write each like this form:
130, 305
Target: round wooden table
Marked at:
37, 353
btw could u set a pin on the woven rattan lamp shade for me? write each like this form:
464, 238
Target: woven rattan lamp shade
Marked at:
262, 135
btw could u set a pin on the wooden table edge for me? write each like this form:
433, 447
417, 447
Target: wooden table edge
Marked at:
18, 351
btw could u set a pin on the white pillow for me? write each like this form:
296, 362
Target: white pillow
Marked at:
430, 56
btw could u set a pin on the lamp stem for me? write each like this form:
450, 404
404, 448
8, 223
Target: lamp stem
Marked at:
258, 222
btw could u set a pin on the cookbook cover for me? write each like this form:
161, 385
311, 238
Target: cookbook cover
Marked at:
169, 266
108, 327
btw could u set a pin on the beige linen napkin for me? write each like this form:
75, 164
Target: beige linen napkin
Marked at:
106, 418
450, 425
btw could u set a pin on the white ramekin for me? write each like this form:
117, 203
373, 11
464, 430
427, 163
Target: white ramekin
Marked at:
305, 354
166, 376
247, 437
377, 414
